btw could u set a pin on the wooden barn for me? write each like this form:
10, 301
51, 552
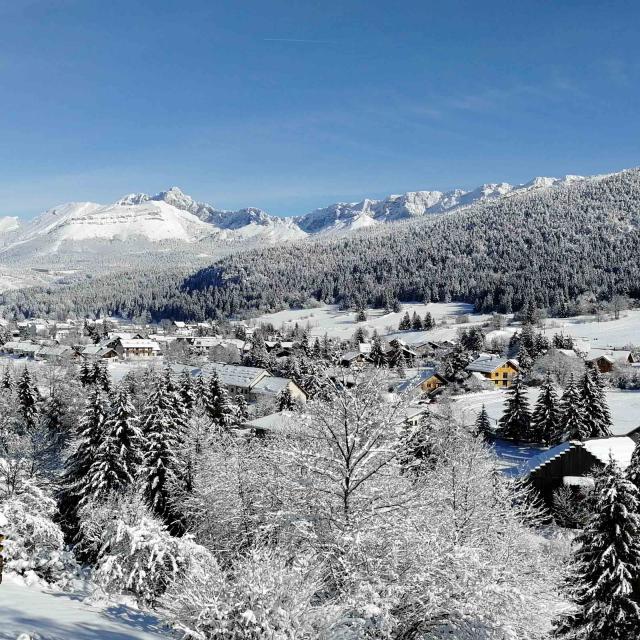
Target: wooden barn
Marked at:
573, 463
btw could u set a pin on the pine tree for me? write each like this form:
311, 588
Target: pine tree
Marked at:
242, 409
429, 322
571, 425
100, 375
597, 418
285, 400
416, 322
86, 373
160, 471
27, 400
53, 421
7, 380
396, 354
545, 419
605, 581
316, 352
361, 315
187, 390
377, 355
515, 423
218, 405
119, 453
483, 425
633, 470
405, 323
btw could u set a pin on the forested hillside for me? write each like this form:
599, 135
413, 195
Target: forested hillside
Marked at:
550, 247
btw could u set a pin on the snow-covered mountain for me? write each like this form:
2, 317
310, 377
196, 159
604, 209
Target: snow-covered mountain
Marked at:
345, 216
142, 224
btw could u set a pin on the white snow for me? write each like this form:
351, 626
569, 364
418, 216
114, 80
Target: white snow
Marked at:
44, 615
336, 323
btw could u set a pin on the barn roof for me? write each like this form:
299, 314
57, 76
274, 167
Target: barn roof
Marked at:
620, 448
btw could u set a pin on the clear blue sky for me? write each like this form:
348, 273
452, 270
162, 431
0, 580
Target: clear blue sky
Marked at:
293, 104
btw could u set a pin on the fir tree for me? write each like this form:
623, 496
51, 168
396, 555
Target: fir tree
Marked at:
597, 418
160, 471
605, 580
483, 424
515, 423
119, 453
429, 322
545, 417
53, 421
27, 400
571, 425
285, 401
86, 373
100, 375
405, 323
377, 355
316, 352
242, 409
218, 405
396, 354
633, 470
187, 390
7, 380
361, 315
416, 322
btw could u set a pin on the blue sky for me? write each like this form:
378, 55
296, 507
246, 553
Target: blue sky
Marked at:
293, 104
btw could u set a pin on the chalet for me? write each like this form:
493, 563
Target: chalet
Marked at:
607, 359
237, 379
137, 348
423, 381
205, 345
501, 371
351, 358
271, 424
54, 352
272, 386
98, 352
573, 463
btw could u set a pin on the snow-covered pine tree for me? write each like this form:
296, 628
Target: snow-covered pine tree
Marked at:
187, 391
218, 405
483, 425
242, 409
416, 322
7, 380
161, 426
27, 400
86, 373
377, 355
285, 400
53, 421
100, 375
396, 353
120, 451
428, 322
545, 416
515, 423
633, 470
75, 483
571, 424
605, 581
405, 323
597, 418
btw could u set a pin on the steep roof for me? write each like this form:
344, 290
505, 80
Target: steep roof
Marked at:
234, 375
421, 376
619, 447
487, 364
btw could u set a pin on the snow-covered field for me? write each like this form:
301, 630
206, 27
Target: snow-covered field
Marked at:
342, 324
605, 334
624, 406
42, 615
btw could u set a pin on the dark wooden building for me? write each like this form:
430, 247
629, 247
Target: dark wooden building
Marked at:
574, 462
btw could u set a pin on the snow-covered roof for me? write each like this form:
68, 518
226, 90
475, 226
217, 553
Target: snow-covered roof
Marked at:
207, 341
270, 385
487, 364
272, 421
351, 355
234, 375
137, 343
422, 375
612, 355
620, 448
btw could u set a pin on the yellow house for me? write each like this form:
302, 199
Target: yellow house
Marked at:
501, 371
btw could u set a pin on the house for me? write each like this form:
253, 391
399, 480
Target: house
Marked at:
137, 348
205, 344
573, 463
607, 359
351, 358
98, 352
501, 371
271, 424
54, 352
272, 386
422, 381
237, 379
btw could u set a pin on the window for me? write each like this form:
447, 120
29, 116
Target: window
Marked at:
505, 375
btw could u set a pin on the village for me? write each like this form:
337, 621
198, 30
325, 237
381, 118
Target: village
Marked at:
434, 356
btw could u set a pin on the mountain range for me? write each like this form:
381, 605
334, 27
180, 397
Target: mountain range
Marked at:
174, 217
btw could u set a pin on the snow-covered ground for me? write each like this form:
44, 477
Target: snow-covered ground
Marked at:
605, 334
624, 406
342, 324
42, 615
